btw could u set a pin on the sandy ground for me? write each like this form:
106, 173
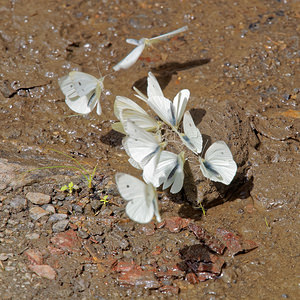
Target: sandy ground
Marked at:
240, 61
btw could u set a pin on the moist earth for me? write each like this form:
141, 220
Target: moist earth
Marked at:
240, 61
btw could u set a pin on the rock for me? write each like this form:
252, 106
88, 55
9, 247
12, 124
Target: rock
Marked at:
44, 271
32, 236
139, 277
235, 242
49, 207
80, 285
77, 208
57, 217
4, 256
124, 266
67, 241
175, 224
82, 234
35, 256
169, 289
18, 203
37, 212
115, 241
96, 204
38, 198
9, 175
209, 240
60, 226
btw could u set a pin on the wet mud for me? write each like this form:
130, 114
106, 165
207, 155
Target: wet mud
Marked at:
240, 61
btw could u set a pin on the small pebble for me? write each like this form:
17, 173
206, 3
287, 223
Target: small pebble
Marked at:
43, 271
60, 226
57, 217
38, 198
18, 203
82, 233
32, 236
37, 212
77, 208
49, 207
96, 204
3, 256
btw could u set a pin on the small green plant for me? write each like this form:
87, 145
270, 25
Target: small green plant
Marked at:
202, 208
104, 200
78, 166
69, 187
267, 224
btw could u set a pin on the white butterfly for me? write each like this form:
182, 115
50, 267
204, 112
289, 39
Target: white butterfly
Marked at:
133, 56
141, 197
126, 109
218, 164
170, 113
82, 91
192, 137
142, 147
169, 171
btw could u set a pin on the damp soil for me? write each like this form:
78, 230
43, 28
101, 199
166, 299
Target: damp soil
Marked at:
240, 61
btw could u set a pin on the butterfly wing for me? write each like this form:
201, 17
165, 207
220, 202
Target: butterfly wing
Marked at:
126, 109
192, 137
130, 59
79, 104
83, 83
162, 106
153, 88
141, 145
160, 173
122, 103
82, 91
67, 87
142, 120
180, 102
169, 34
133, 42
175, 174
218, 164
169, 171
142, 198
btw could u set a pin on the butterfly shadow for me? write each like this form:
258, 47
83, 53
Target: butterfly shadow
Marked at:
164, 72
112, 138
197, 115
194, 199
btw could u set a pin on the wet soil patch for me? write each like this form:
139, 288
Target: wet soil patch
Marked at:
239, 60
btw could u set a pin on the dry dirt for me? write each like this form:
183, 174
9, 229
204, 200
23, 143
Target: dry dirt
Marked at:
240, 61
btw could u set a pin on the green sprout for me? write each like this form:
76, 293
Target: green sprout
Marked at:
79, 167
267, 224
104, 200
202, 208
69, 187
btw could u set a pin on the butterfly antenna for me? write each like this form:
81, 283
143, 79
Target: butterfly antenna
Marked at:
100, 74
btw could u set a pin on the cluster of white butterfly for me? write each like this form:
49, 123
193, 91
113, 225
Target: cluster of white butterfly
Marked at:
146, 150
143, 141
83, 90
